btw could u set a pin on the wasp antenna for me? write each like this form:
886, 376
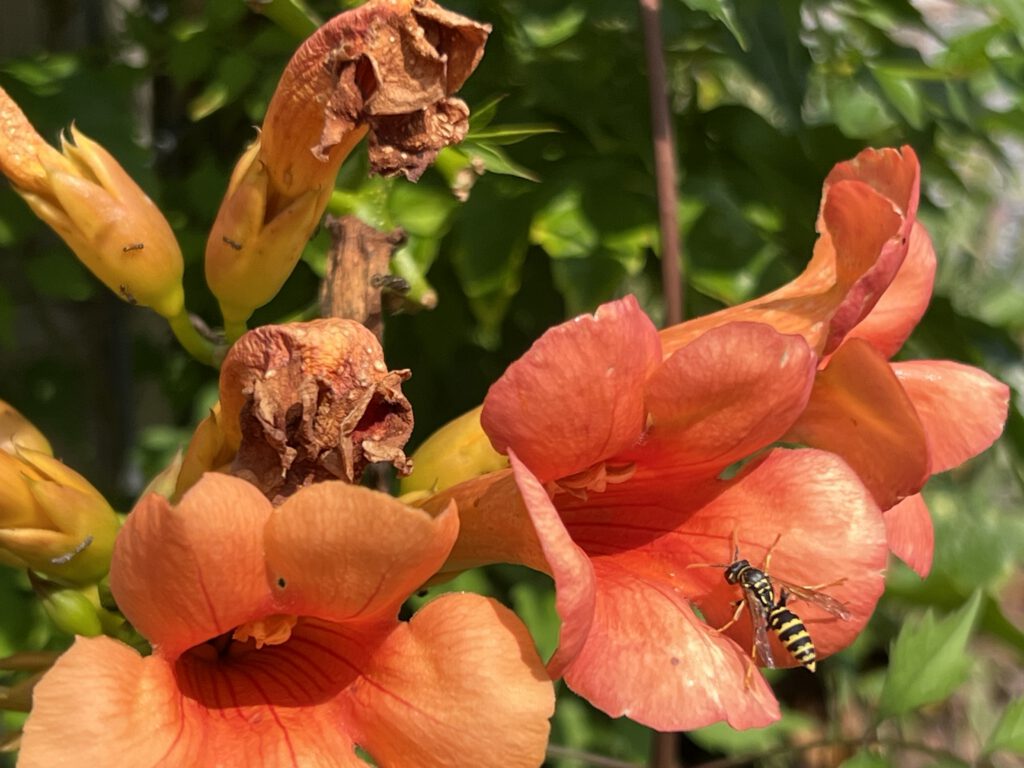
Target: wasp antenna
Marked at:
708, 565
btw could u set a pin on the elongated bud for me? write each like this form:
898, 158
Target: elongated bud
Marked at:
86, 197
52, 520
388, 68
16, 430
457, 451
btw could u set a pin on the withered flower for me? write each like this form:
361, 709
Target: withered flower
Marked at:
388, 68
306, 402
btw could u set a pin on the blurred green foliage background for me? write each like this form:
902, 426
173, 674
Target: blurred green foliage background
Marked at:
766, 97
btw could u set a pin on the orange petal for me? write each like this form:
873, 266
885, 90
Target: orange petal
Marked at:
460, 685
908, 528
339, 552
102, 699
895, 173
963, 409
576, 397
859, 410
724, 396
185, 574
828, 528
896, 314
494, 526
650, 659
862, 242
568, 565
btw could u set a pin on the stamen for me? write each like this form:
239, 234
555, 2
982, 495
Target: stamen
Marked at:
270, 630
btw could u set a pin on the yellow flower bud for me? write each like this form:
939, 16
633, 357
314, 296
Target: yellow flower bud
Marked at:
52, 520
16, 430
209, 450
257, 238
86, 197
457, 451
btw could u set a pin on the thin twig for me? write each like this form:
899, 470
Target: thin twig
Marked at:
664, 746
664, 163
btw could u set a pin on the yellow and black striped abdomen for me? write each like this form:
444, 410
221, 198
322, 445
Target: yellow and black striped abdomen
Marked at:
793, 634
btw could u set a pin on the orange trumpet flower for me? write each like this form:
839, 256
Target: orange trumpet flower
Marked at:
276, 642
857, 302
619, 459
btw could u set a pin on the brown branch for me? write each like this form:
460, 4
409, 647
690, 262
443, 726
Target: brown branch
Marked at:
357, 271
906, 746
589, 758
664, 163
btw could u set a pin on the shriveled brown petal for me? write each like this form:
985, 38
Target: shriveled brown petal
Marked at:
389, 64
312, 401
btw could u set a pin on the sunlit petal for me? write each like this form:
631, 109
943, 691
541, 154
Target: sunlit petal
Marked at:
963, 409
859, 411
911, 536
576, 397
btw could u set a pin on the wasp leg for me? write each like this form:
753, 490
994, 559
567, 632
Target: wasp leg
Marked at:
819, 587
735, 617
749, 678
768, 554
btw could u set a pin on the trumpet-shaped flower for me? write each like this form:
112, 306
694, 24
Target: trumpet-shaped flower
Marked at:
865, 289
86, 197
276, 643
619, 457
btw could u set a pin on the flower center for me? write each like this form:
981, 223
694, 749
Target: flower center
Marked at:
270, 630
595, 478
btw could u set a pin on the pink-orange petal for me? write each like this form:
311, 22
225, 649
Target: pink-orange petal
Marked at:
188, 573
576, 396
908, 528
963, 409
724, 396
859, 410
341, 552
861, 245
894, 173
461, 685
649, 658
568, 565
902, 305
101, 700
825, 527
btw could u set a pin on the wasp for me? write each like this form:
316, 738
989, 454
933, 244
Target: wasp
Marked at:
767, 612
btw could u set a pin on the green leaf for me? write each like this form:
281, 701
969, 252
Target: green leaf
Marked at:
496, 161
928, 660
902, 94
511, 133
858, 112
720, 10
561, 227
865, 759
1008, 735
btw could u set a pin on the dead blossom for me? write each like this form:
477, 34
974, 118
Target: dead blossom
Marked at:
310, 402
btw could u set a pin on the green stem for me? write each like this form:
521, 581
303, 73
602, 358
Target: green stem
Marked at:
233, 330
290, 15
201, 348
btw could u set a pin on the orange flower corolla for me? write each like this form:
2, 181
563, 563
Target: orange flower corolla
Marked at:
865, 289
276, 643
615, 488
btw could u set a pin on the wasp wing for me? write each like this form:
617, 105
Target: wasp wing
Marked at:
815, 597
759, 621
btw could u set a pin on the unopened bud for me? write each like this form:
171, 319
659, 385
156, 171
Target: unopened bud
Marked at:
86, 197
458, 451
17, 431
52, 520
